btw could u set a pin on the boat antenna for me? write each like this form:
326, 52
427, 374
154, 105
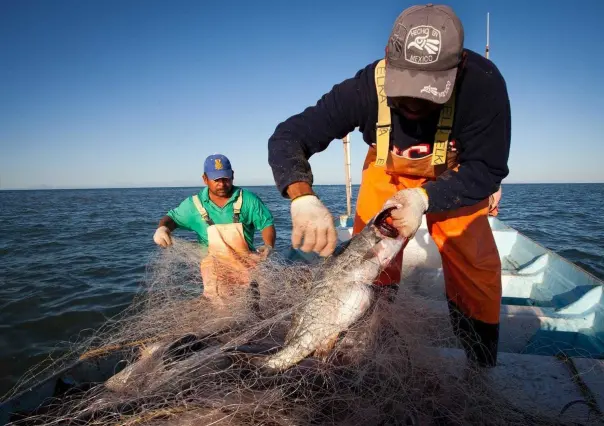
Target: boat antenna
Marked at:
486, 53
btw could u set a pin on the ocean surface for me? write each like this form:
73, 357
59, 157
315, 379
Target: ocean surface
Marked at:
69, 259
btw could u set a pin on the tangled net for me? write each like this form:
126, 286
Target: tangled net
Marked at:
191, 361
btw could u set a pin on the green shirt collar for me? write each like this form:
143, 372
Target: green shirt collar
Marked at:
204, 195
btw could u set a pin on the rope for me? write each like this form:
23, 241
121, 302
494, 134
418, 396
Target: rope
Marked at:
111, 348
590, 399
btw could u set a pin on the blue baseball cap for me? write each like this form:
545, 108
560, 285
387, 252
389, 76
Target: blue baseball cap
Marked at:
217, 166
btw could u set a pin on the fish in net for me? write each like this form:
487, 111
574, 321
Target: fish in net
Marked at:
186, 360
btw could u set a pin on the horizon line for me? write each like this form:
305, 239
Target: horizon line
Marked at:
67, 188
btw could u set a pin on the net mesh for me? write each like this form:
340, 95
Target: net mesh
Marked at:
184, 360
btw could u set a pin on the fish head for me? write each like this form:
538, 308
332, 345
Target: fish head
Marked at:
385, 251
388, 242
379, 257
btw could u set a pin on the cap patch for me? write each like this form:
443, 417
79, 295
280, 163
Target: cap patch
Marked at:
423, 45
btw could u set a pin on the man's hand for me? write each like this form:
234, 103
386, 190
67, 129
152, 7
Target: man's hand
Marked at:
313, 223
264, 251
494, 200
162, 236
411, 205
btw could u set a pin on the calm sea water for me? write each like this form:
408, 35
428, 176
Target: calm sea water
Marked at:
71, 258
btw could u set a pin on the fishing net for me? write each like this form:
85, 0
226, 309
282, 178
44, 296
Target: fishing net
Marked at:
186, 361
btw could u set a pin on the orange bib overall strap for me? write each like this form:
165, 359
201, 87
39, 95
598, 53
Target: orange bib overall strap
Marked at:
471, 264
228, 261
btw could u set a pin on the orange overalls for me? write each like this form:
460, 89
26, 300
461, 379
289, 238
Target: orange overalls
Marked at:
471, 263
227, 266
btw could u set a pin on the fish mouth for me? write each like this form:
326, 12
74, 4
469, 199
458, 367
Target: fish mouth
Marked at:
390, 243
383, 223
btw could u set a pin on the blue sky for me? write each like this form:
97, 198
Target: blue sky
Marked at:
137, 93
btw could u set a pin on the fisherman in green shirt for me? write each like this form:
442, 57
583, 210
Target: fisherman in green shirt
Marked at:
218, 199
225, 219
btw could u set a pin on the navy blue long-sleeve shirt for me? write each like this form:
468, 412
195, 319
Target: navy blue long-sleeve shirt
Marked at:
481, 130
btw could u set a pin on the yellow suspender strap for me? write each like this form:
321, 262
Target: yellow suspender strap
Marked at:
204, 213
237, 207
383, 126
238, 203
443, 131
201, 209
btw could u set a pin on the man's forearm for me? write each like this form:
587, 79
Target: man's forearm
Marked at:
269, 236
168, 222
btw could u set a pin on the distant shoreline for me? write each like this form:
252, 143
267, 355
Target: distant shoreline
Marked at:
92, 188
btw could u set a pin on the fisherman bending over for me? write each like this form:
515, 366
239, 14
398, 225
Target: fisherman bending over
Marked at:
437, 121
225, 218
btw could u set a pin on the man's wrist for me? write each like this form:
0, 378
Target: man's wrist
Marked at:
424, 196
299, 189
168, 222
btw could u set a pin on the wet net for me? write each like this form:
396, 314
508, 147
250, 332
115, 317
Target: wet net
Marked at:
174, 358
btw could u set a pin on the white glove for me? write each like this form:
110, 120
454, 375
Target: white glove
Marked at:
162, 236
411, 205
264, 251
312, 222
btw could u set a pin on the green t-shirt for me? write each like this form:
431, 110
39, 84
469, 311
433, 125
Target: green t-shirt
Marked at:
254, 215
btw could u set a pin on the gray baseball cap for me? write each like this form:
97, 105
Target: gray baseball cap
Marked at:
423, 52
